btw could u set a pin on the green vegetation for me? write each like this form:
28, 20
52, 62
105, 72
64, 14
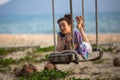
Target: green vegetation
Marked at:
93, 45
3, 51
105, 49
110, 49
6, 62
26, 59
5, 65
30, 57
50, 75
34, 56
99, 61
73, 78
46, 75
46, 49
46, 57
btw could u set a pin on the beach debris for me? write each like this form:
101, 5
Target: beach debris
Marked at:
116, 62
25, 70
50, 66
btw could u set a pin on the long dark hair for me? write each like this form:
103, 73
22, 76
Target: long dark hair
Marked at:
67, 18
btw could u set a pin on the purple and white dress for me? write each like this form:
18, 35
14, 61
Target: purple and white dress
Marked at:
83, 48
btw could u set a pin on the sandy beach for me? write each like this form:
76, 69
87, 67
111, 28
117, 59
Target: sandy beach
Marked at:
9, 40
93, 70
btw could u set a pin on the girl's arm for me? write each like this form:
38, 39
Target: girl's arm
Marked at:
80, 26
60, 43
63, 43
84, 36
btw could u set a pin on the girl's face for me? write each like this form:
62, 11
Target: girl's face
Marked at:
64, 27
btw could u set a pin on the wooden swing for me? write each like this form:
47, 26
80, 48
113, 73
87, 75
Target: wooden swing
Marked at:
67, 56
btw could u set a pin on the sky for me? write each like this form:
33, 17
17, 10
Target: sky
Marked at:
61, 6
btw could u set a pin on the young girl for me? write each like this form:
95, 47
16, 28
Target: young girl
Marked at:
64, 37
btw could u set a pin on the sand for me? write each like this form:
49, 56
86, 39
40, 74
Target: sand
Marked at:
92, 70
7, 40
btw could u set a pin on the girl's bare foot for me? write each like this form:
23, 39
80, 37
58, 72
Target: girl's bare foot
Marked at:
80, 22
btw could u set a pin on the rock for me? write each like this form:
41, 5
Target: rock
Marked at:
25, 70
116, 62
50, 66
17, 71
